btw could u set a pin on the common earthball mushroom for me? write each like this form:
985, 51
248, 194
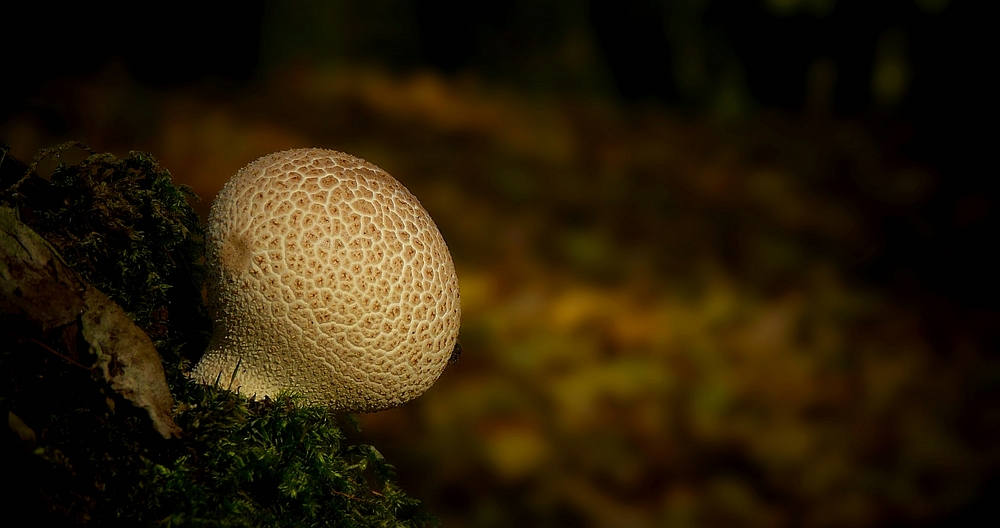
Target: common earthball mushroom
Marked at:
326, 277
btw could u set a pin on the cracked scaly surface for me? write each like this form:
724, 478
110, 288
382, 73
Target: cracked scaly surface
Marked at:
327, 277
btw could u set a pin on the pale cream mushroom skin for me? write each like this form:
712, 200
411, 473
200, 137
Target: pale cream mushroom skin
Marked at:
327, 278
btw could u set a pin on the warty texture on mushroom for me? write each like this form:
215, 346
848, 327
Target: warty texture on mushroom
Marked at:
326, 277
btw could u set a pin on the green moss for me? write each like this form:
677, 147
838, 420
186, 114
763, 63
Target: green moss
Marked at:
126, 228
271, 464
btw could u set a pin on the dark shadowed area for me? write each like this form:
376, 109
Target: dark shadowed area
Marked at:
723, 262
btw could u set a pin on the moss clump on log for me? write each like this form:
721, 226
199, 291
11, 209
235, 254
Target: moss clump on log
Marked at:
77, 452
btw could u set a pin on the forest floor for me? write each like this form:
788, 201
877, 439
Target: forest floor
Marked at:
663, 323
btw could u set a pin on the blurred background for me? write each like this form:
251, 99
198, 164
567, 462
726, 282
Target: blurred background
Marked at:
723, 262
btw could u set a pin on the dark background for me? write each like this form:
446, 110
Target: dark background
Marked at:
938, 122
729, 64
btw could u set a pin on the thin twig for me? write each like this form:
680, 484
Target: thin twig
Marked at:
352, 497
52, 350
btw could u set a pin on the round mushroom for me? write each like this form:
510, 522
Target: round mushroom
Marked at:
328, 278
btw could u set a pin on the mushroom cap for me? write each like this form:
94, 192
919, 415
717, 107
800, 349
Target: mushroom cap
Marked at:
326, 277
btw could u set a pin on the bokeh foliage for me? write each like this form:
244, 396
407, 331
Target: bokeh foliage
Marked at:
661, 319
784, 317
